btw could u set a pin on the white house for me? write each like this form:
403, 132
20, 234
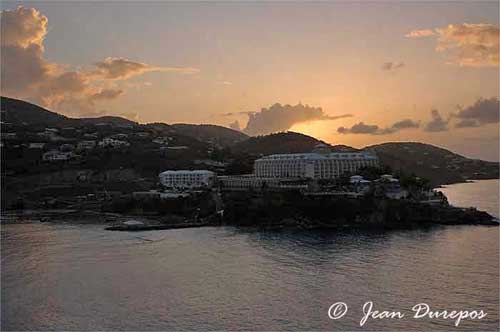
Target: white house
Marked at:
114, 143
391, 187
86, 145
162, 140
55, 155
36, 146
184, 179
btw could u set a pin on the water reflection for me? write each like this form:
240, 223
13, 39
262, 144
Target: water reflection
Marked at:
79, 277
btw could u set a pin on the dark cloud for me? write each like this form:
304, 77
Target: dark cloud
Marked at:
406, 124
363, 128
437, 123
392, 66
359, 128
279, 118
467, 124
483, 111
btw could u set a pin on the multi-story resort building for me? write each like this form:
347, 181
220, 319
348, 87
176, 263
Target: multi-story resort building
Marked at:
197, 179
277, 172
312, 165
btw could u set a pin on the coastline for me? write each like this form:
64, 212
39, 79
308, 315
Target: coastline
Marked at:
275, 211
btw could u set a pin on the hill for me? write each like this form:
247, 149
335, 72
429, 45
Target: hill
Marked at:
116, 120
18, 112
285, 142
439, 165
215, 134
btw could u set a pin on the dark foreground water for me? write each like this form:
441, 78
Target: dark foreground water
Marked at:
79, 277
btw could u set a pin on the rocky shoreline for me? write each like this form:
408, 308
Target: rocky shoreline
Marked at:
282, 210
275, 210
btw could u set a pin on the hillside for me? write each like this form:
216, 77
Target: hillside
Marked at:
439, 165
285, 142
216, 134
116, 120
18, 112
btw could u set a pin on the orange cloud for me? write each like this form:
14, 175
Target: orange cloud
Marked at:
470, 45
107, 94
25, 73
23, 27
420, 33
119, 68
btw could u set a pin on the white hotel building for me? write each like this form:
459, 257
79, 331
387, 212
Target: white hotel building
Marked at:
312, 165
197, 179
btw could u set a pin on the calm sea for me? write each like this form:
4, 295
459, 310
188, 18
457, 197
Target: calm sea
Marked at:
79, 277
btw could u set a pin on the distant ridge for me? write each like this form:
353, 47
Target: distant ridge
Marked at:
19, 112
439, 165
221, 135
285, 142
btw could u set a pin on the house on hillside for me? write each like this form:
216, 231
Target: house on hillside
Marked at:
91, 136
185, 179
39, 146
86, 145
390, 187
162, 140
359, 184
120, 136
55, 155
109, 142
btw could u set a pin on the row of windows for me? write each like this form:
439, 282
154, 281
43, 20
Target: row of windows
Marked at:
321, 168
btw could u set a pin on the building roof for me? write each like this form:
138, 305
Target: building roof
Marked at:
317, 156
201, 171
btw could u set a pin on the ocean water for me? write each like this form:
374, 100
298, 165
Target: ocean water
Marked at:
482, 194
80, 277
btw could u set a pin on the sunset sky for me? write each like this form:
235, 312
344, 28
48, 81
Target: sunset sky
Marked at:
379, 71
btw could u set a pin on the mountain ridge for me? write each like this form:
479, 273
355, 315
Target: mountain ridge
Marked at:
439, 165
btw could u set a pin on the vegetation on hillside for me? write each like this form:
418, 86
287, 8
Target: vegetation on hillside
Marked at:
438, 165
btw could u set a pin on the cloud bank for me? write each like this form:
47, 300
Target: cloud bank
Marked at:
437, 123
26, 74
279, 118
482, 112
363, 128
471, 45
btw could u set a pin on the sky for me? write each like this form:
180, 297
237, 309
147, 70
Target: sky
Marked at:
353, 73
